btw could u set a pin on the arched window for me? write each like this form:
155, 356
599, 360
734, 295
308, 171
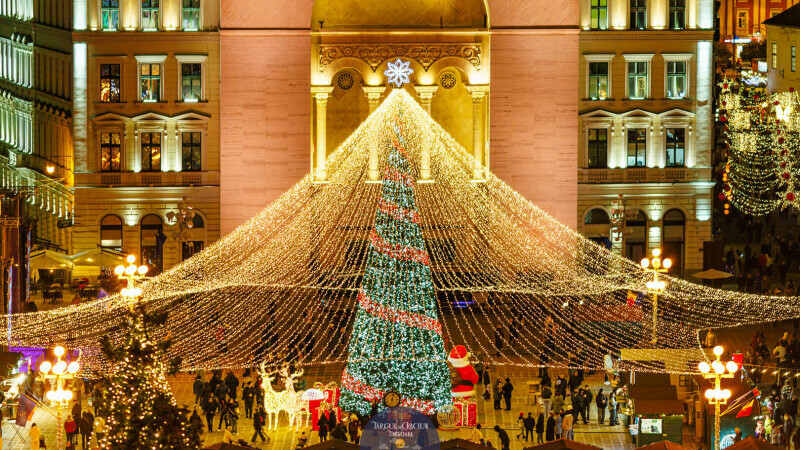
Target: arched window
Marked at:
152, 242
111, 232
196, 238
673, 238
596, 216
636, 238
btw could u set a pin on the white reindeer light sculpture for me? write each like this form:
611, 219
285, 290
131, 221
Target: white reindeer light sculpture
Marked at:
287, 400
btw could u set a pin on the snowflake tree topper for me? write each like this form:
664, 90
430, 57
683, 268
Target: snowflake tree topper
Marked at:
398, 72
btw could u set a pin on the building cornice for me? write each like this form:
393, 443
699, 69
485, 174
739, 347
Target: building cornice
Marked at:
626, 35
145, 36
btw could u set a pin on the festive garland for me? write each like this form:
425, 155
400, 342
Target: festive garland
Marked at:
398, 251
398, 316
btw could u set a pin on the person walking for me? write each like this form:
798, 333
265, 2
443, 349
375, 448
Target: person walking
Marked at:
560, 387
602, 404
559, 419
197, 388
476, 435
547, 399
210, 406
521, 424
486, 382
354, 429
577, 403
35, 435
550, 428
221, 392
223, 411
507, 388
566, 424
505, 441
70, 427
322, 424
86, 426
529, 424
612, 408
258, 425
540, 424
233, 416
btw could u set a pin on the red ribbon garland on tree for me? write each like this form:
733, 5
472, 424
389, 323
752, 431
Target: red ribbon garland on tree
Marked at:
398, 316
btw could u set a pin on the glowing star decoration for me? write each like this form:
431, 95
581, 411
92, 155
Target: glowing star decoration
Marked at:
398, 72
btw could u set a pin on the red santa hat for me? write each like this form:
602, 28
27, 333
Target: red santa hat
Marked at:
459, 356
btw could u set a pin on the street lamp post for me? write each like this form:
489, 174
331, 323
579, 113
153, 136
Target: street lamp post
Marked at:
655, 286
59, 397
131, 274
717, 396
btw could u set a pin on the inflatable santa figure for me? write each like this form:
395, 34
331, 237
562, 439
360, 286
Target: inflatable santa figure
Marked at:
459, 358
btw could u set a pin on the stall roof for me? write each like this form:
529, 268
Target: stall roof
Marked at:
561, 444
658, 407
664, 445
752, 443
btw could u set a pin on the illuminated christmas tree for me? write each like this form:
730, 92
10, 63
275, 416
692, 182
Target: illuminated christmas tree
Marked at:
139, 409
396, 343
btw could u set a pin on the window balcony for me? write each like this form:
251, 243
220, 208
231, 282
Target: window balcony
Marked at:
147, 179
643, 175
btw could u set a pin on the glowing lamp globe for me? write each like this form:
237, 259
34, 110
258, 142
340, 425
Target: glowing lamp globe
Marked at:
726, 394
125, 292
142, 270
73, 367
704, 367
718, 367
131, 259
119, 270
718, 350
645, 263
45, 367
60, 367
51, 395
731, 366
709, 394
130, 270
656, 252
58, 351
667, 263
68, 395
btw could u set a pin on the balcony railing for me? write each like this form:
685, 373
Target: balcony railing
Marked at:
147, 179
643, 175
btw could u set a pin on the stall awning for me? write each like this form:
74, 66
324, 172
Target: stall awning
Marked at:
49, 260
98, 257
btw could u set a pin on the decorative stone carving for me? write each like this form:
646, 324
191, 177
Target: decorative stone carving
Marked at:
375, 54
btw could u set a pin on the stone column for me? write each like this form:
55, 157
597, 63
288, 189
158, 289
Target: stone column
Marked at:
321, 94
373, 94
425, 94
478, 94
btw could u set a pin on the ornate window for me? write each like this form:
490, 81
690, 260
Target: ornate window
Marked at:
676, 146
598, 148
191, 15
598, 80
191, 150
596, 216
110, 152
676, 79
677, 14
191, 81
637, 147
150, 11
109, 10
109, 83
637, 80
150, 82
599, 13
151, 152
152, 242
111, 232
638, 14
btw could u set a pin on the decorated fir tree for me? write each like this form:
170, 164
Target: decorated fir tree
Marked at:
396, 343
139, 409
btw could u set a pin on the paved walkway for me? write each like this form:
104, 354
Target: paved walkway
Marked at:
602, 436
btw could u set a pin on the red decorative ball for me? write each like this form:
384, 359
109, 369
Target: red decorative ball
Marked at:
776, 102
791, 89
725, 86
786, 175
790, 196
723, 118
783, 165
721, 196
780, 140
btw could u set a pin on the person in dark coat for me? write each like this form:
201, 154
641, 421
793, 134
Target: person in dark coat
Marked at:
248, 395
77, 412
210, 406
352, 428
561, 385
486, 381
497, 394
505, 441
232, 383
587, 402
540, 424
223, 411
507, 388
197, 388
322, 423
332, 421
221, 391
85, 426
338, 431
529, 423
550, 430
577, 404
602, 404
258, 424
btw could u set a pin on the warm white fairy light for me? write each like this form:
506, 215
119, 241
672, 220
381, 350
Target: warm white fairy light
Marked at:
293, 271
